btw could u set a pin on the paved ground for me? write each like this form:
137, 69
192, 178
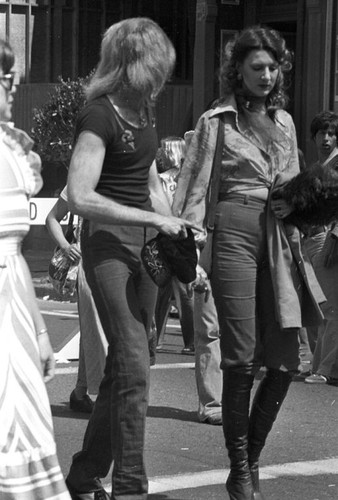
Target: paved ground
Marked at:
185, 459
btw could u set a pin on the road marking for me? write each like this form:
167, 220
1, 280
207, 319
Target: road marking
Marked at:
162, 484
73, 369
66, 314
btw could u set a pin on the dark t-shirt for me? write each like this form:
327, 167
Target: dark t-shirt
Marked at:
129, 153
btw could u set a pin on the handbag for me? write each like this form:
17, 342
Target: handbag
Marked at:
62, 271
205, 260
164, 258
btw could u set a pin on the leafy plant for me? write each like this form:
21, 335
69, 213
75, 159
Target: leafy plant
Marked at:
54, 122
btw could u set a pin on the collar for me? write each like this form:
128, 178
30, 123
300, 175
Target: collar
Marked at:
229, 105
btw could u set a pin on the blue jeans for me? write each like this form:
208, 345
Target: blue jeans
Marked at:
125, 299
242, 288
209, 377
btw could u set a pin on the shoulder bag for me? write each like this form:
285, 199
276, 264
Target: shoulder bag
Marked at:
205, 260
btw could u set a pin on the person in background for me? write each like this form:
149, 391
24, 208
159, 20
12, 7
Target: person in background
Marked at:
169, 159
321, 245
208, 373
93, 343
256, 295
113, 184
29, 467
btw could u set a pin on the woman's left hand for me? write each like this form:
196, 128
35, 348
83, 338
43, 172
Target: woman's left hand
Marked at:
280, 208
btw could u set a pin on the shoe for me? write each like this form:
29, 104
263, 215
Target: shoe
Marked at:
84, 404
100, 494
315, 378
188, 350
215, 419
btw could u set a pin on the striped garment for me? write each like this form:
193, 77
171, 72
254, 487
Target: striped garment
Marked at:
29, 468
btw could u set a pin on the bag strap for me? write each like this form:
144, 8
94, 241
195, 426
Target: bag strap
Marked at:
213, 189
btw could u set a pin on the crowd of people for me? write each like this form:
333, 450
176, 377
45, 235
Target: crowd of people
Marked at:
259, 279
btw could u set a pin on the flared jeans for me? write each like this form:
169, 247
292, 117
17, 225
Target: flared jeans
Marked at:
125, 298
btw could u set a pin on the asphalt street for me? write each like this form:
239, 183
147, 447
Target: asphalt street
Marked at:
186, 459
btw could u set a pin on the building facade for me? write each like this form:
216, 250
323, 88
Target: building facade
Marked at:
53, 38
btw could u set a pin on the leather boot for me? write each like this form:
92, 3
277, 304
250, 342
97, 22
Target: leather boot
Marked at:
235, 412
265, 407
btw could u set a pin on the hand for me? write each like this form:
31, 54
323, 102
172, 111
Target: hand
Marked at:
73, 253
331, 253
281, 208
46, 357
175, 228
200, 285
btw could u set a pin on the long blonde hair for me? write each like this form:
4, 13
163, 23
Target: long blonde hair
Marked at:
171, 153
136, 55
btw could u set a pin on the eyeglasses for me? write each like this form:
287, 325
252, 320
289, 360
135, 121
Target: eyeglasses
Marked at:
7, 81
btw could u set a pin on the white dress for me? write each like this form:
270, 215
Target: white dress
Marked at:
29, 468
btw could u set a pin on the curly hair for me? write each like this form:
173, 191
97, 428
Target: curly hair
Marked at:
323, 121
236, 51
137, 55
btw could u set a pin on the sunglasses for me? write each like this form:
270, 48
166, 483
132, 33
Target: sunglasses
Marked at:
7, 81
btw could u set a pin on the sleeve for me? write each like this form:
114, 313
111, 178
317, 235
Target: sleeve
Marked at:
293, 163
193, 181
96, 117
64, 194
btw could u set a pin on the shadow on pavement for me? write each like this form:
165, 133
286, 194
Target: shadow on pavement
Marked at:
173, 413
62, 410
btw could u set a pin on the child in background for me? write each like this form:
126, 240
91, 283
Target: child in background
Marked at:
169, 159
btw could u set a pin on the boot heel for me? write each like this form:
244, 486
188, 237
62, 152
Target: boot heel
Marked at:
239, 488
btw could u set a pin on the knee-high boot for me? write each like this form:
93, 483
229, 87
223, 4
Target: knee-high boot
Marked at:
265, 407
235, 409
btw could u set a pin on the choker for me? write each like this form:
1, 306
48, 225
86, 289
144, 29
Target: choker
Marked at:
250, 102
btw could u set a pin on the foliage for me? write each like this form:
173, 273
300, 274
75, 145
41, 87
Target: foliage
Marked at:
54, 122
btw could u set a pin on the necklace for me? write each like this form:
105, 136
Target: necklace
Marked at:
137, 119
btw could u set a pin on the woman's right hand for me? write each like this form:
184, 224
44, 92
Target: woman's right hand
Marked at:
73, 253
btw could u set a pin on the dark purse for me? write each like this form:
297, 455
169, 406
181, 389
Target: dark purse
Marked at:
205, 260
164, 258
60, 265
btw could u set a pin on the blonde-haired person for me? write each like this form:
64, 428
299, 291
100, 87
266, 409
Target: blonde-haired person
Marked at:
169, 159
113, 184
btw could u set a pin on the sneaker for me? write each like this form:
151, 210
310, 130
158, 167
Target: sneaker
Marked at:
315, 378
189, 350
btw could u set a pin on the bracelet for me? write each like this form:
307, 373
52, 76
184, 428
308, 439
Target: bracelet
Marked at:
41, 332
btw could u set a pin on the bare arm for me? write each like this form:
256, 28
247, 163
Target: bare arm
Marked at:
57, 213
46, 352
84, 173
158, 197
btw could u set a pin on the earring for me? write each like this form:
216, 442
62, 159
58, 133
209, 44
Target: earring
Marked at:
239, 77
